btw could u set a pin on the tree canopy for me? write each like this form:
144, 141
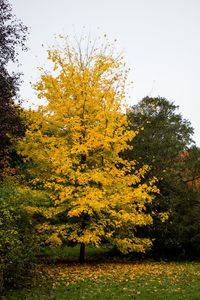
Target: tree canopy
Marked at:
12, 37
74, 142
163, 135
164, 143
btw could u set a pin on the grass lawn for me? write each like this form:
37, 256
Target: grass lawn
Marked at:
72, 253
113, 280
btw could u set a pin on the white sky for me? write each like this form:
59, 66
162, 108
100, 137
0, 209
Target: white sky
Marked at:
160, 39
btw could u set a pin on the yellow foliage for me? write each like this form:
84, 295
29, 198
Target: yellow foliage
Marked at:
75, 141
54, 241
32, 210
164, 216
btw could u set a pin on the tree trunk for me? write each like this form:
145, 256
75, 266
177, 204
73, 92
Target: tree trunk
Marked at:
82, 253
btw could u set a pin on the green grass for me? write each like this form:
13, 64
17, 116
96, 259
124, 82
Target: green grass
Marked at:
72, 253
101, 281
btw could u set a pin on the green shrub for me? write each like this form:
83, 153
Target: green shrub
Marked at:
17, 240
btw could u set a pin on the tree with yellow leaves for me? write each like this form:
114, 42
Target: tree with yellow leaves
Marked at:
75, 141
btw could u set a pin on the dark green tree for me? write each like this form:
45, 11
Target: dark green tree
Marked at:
163, 135
163, 143
12, 38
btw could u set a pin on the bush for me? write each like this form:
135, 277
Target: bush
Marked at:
17, 241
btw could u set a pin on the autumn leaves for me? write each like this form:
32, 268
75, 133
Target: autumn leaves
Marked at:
76, 140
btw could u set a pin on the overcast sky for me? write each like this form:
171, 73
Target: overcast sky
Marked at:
160, 40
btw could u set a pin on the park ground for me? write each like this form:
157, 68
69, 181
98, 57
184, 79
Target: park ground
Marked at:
59, 276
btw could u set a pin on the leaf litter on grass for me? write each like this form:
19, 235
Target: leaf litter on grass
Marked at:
115, 281
66, 274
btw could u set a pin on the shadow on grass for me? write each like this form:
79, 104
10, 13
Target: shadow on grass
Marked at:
106, 253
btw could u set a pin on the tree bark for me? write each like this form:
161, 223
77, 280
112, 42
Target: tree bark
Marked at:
82, 253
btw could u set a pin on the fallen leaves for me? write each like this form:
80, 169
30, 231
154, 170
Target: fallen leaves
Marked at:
115, 280
116, 272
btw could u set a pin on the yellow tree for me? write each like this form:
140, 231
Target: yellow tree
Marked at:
75, 141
